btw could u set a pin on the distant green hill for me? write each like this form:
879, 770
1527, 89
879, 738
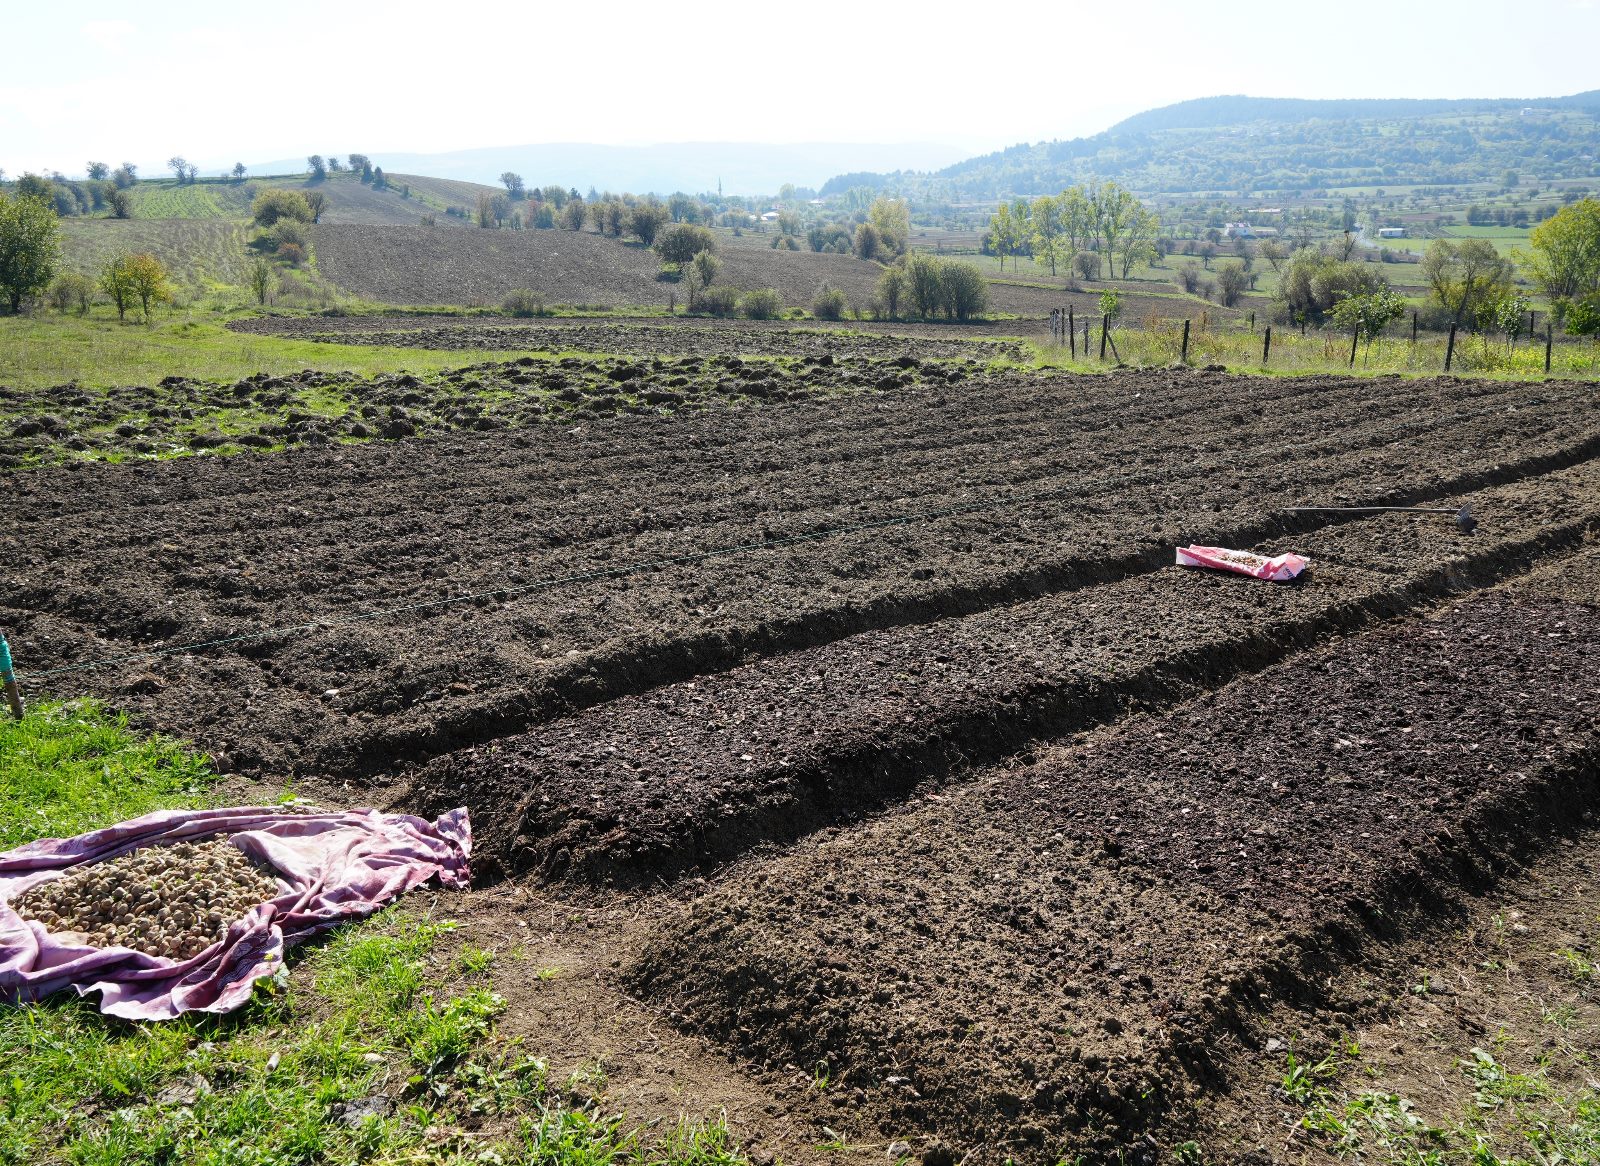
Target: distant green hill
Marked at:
1230, 144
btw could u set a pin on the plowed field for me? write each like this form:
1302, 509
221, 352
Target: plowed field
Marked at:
872, 737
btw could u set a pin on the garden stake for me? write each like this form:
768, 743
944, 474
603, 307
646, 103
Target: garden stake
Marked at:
1464, 518
1185, 357
8, 677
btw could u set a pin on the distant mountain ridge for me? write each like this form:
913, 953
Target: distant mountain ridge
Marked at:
1236, 109
1236, 143
743, 168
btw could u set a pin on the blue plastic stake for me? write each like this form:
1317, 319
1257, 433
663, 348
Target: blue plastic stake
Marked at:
8, 677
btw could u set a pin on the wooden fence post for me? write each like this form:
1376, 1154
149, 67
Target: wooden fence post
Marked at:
1105, 332
1072, 332
1450, 348
1549, 340
1185, 356
1266, 346
1413, 327
1355, 338
1252, 321
1086, 338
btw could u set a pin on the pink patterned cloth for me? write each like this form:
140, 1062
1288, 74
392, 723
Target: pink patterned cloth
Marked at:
1275, 570
331, 867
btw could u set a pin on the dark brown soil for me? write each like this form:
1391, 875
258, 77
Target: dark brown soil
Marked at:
648, 786
1028, 487
680, 336
1056, 959
180, 416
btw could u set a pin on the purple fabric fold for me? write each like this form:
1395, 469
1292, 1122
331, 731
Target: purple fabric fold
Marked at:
331, 867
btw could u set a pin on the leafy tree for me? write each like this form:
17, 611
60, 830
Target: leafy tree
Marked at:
554, 195
316, 203
1137, 242
1462, 273
334, 165
891, 292
890, 217
379, 181
1583, 316
1566, 251
1086, 264
1232, 280
99, 171
762, 304
274, 204
179, 166
834, 238
704, 267
31, 185
680, 243
319, 167
719, 301
120, 202
30, 247
1004, 234
239, 171
1368, 315
514, 186
867, 242
924, 285
645, 220
573, 214
1044, 216
965, 294
1313, 281
117, 282
1116, 211
260, 276
147, 280
125, 175
829, 303
70, 290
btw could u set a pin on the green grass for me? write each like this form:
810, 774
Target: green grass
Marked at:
200, 255
373, 1046
1240, 350
48, 349
67, 768
166, 199
1507, 1117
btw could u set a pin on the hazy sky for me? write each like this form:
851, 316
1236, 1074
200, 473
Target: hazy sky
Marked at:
220, 82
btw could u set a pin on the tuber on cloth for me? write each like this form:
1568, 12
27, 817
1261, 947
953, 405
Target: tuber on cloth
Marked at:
329, 867
1279, 569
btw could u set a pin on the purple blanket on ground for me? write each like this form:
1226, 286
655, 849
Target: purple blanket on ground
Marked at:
331, 867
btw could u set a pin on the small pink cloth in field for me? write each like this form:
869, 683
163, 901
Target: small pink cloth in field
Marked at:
1274, 570
331, 867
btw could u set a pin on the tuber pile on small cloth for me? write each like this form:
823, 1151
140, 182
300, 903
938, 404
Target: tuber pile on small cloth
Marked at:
184, 910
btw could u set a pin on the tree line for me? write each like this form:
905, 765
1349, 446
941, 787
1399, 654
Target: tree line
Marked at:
1080, 228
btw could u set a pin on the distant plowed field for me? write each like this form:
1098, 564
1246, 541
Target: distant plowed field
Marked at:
422, 265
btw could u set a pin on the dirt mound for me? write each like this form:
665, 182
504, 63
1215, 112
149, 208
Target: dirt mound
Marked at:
650, 786
1055, 959
319, 409
445, 592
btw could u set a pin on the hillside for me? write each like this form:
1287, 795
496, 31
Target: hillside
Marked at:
422, 265
1257, 144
